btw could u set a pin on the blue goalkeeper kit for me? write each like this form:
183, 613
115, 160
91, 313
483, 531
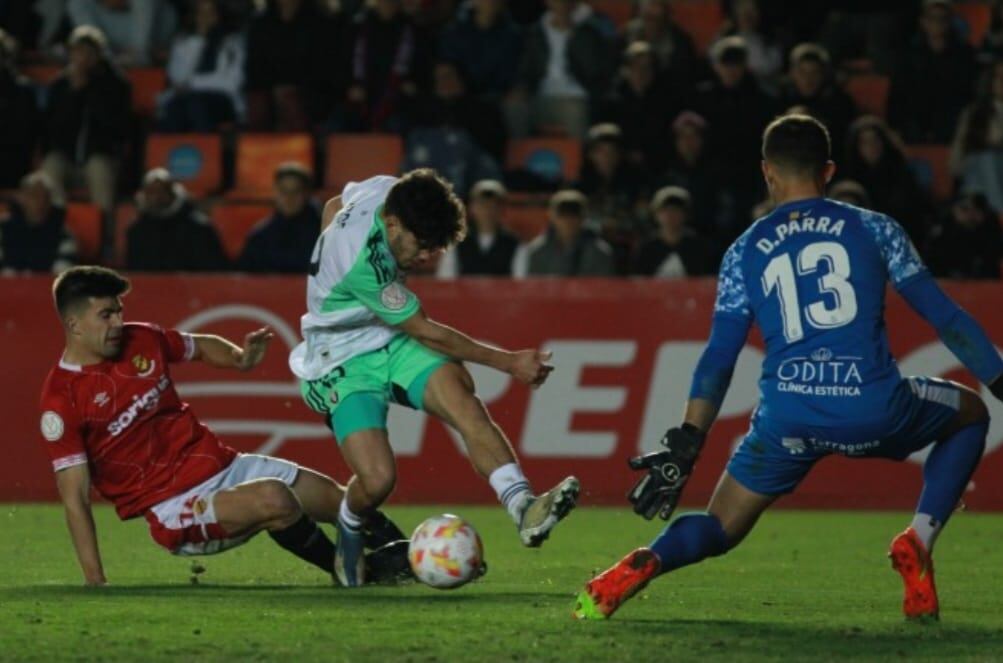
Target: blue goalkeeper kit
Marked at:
812, 275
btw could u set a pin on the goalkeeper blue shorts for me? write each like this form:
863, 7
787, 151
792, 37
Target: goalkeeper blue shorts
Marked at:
775, 456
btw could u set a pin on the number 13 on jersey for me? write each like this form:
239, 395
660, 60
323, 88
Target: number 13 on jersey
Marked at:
779, 274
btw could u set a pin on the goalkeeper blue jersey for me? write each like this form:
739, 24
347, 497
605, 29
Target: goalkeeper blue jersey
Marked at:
812, 274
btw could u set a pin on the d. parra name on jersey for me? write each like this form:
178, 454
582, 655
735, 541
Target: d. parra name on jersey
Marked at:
807, 224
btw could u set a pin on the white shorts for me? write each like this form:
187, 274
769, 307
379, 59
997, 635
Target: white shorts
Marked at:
186, 524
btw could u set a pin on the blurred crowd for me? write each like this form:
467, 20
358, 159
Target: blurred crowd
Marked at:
669, 127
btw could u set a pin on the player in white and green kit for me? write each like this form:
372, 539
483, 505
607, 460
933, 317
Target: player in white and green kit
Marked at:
367, 343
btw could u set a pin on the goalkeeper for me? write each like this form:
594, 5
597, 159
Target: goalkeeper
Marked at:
829, 383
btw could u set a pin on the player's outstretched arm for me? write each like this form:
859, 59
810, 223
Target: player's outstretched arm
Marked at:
668, 470
528, 366
74, 485
221, 353
958, 330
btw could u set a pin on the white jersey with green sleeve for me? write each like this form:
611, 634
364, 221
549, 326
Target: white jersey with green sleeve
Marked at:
355, 291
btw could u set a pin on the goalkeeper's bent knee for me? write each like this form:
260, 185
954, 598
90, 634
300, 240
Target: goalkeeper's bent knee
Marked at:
689, 539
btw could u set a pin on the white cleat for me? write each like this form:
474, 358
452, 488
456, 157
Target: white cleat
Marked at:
546, 510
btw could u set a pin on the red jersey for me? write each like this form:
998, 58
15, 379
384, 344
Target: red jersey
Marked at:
124, 419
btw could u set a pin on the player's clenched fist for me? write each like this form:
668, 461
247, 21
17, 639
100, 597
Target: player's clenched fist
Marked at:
531, 366
254, 348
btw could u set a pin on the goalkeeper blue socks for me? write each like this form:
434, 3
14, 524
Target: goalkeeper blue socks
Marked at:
689, 539
946, 473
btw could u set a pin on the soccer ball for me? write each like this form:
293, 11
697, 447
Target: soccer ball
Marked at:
446, 552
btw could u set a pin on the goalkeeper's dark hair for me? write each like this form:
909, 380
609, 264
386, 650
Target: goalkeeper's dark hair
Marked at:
427, 207
797, 145
78, 284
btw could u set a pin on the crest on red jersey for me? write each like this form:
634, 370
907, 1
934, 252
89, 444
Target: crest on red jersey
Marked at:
143, 365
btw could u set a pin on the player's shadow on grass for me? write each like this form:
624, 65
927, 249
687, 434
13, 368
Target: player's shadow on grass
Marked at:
902, 635
376, 594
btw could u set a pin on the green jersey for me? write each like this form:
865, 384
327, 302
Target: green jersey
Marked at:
355, 291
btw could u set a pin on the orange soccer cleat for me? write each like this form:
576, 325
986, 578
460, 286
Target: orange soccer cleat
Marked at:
911, 559
608, 590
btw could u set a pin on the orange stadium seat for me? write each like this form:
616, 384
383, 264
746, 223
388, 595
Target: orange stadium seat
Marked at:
147, 83
84, 221
258, 155
701, 19
550, 158
525, 221
41, 74
619, 11
195, 160
869, 92
355, 157
976, 16
929, 163
234, 221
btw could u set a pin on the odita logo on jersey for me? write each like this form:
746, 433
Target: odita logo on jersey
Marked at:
820, 374
146, 401
804, 225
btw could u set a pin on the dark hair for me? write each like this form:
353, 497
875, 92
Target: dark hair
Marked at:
293, 169
80, 283
894, 150
797, 145
975, 126
427, 207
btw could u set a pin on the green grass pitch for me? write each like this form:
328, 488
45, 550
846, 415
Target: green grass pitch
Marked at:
804, 586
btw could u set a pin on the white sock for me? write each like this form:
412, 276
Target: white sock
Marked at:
927, 528
347, 518
512, 489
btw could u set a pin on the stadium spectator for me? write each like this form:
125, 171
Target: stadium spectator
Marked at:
389, 65
566, 65
639, 104
811, 85
566, 248
876, 159
33, 237
206, 73
287, 41
875, 31
136, 30
19, 129
850, 191
674, 50
765, 59
283, 242
484, 41
451, 105
675, 251
977, 149
737, 110
488, 249
170, 233
968, 243
87, 119
992, 45
934, 82
714, 209
615, 189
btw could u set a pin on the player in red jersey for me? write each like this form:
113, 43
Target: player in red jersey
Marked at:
112, 418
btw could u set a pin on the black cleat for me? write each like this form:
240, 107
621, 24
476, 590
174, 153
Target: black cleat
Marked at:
378, 531
389, 564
